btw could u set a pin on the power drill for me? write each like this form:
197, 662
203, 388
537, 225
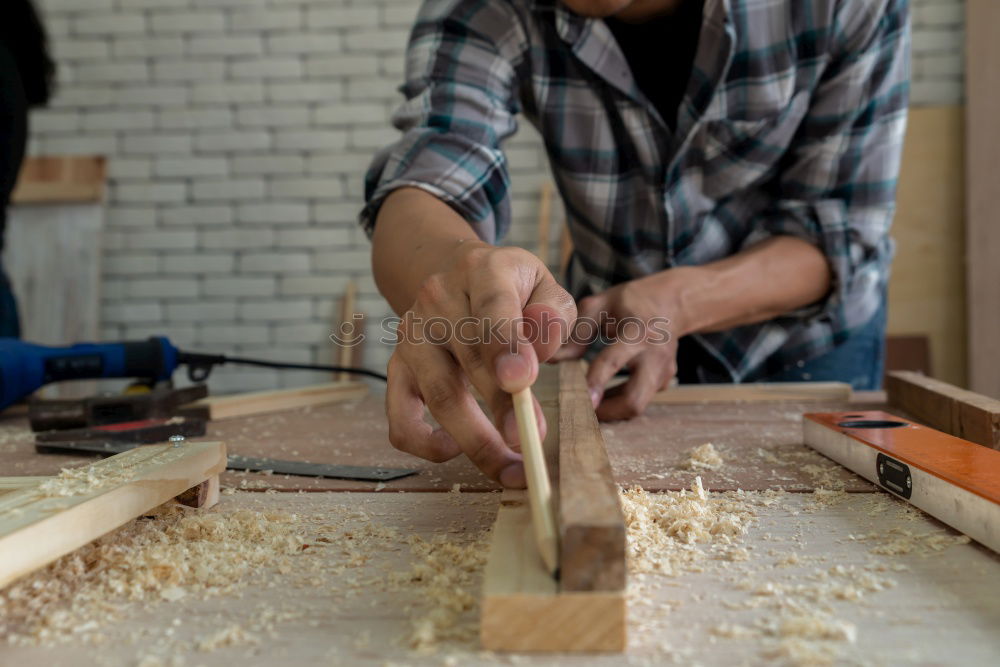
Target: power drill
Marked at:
26, 367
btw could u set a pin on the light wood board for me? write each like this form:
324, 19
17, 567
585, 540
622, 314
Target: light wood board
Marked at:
262, 402
938, 608
61, 179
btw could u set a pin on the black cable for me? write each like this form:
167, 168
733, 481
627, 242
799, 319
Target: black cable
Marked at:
200, 365
306, 367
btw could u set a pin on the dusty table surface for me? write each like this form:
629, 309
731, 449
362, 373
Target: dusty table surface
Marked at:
816, 579
760, 443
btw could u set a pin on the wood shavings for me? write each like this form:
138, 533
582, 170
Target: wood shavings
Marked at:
178, 553
232, 635
901, 541
705, 456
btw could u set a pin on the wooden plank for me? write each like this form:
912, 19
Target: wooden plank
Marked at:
927, 285
61, 179
543, 515
762, 392
591, 525
40, 523
344, 352
953, 480
982, 92
260, 402
522, 607
962, 413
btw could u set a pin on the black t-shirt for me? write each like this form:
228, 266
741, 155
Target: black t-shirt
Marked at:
660, 52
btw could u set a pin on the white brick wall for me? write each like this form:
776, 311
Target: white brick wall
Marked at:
237, 133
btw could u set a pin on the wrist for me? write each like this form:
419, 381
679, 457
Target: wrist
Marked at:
675, 291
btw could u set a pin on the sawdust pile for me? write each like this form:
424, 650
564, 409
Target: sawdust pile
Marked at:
665, 530
176, 554
705, 456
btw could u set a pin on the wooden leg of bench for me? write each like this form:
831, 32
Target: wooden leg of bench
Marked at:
204, 495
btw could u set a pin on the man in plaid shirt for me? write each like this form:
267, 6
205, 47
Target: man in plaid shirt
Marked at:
727, 164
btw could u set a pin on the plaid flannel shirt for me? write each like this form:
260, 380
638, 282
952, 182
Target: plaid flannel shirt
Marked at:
792, 124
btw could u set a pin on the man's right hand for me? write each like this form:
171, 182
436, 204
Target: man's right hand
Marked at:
484, 321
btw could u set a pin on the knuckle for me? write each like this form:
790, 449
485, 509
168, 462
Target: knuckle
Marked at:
632, 406
472, 259
432, 290
440, 394
399, 438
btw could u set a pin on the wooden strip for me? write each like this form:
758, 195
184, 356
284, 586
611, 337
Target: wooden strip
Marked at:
953, 480
943, 406
8, 484
539, 487
260, 402
591, 525
982, 90
345, 352
522, 608
38, 526
762, 392
57, 179
544, 222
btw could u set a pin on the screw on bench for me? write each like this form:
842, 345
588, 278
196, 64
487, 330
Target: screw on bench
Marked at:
177, 440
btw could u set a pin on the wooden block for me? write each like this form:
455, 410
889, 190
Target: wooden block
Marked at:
57, 179
951, 409
203, 496
260, 402
761, 392
523, 608
953, 480
591, 525
38, 526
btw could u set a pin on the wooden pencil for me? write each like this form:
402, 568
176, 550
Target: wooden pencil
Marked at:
543, 516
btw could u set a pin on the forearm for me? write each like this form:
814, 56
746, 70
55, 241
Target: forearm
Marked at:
762, 282
415, 236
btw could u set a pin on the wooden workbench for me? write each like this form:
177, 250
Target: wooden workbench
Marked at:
905, 587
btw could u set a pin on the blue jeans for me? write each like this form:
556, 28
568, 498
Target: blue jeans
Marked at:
859, 361
10, 325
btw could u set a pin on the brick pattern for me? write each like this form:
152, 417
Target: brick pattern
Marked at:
237, 133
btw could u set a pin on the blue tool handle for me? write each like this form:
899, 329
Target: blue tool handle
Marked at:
26, 367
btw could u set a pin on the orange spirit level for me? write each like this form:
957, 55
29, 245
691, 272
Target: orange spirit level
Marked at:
953, 480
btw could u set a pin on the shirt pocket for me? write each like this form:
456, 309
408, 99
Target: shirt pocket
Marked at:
734, 155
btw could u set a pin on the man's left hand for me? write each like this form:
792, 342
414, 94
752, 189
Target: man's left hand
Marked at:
643, 319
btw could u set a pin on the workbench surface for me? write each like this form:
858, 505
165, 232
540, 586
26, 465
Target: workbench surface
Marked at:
393, 578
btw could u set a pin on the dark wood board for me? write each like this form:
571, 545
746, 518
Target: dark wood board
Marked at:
761, 445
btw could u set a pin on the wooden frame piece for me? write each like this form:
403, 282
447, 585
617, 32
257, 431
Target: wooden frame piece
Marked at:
962, 413
524, 608
756, 392
62, 180
51, 517
261, 402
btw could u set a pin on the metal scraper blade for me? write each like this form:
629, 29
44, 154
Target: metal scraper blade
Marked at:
278, 467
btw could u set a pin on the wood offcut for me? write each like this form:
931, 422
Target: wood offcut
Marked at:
261, 402
964, 414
